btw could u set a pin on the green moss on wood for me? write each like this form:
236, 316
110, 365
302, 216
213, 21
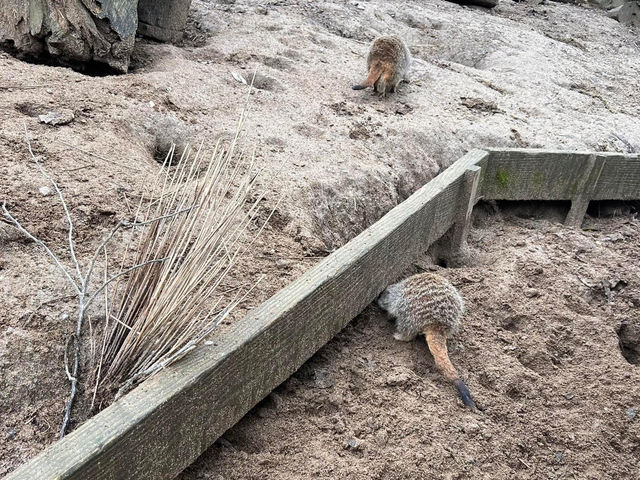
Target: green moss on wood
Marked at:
538, 178
503, 178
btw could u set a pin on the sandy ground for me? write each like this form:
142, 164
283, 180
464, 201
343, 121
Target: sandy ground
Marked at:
540, 351
552, 76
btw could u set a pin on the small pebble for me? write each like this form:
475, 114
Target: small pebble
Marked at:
12, 434
470, 427
45, 191
632, 413
283, 264
531, 292
354, 444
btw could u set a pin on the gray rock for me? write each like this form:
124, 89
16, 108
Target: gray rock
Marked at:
74, 31
606, 4
62, 117
627, 14
163, 20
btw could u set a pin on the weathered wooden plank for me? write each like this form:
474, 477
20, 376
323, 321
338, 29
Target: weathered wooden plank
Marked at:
522, 174
592, 169
620, 178
532, 175
466, 202
162, 426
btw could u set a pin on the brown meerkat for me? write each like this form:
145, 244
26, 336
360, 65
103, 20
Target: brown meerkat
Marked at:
427, 303
388, 64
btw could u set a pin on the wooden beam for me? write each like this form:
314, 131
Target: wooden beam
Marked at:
532, 175
525, 174
162, 426
588, 180
620, 178
466, 202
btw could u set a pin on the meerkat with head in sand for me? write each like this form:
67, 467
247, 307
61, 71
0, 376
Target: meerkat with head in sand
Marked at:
388, 64
427, 303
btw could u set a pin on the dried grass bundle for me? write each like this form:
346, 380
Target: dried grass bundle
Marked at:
196, 229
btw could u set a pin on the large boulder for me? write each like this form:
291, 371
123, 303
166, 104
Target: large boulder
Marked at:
606, 4
163, 20
73, 31
627, 14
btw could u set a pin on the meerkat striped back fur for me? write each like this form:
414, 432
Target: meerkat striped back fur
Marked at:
428, 304
388, 64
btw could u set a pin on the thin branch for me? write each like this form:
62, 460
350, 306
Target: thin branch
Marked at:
66, 359
43, 245
64, 205
73, 376
22, 87
91, 154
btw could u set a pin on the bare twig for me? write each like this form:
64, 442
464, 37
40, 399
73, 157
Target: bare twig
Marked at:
82, 167
17, 224
524, 463
64, 204
91, 154
606, 286
585, 283
22, 87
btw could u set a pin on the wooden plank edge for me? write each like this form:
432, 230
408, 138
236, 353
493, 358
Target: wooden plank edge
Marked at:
92, 447
489, 185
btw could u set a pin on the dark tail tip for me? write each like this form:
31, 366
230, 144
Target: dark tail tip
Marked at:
358, 87
465, 394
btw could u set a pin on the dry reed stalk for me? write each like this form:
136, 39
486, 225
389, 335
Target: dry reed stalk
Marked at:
162, 311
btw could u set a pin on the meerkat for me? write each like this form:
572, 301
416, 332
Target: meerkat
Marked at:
388, 64
427, 303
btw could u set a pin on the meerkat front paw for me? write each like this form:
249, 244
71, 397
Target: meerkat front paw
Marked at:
403, 338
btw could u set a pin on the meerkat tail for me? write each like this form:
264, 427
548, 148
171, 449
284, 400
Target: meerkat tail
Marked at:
437, 342
374, 74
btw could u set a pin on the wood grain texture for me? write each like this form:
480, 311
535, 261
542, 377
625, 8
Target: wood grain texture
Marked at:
591, 171
159, 428
620, 178
466, 202
532, 175
519, 174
